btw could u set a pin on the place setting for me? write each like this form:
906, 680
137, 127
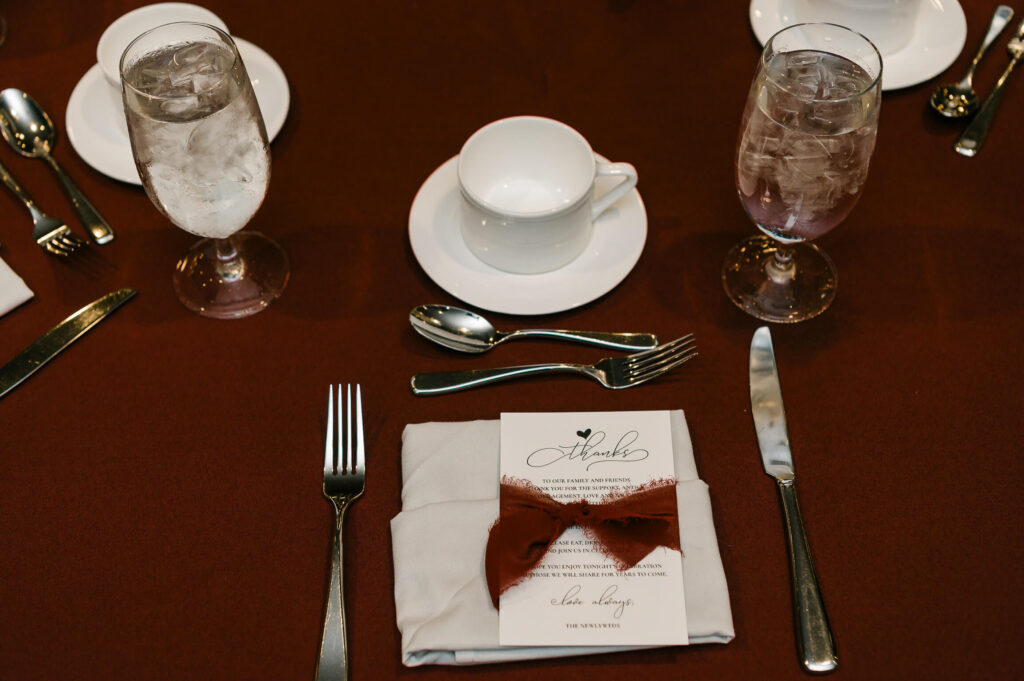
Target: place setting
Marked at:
179, 116
557, 534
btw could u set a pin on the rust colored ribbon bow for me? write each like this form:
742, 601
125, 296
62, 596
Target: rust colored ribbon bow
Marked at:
625, 527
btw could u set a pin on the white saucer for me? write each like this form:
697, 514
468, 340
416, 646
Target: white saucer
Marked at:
618, 240
938, 39
95, 118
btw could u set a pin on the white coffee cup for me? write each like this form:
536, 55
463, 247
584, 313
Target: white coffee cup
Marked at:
527, 186
889, 24
128, 27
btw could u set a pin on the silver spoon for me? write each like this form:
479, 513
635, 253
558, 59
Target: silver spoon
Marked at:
958, 100
28, 129
466, 331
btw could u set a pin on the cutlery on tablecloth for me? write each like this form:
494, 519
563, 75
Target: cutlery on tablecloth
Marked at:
959, 100
611, 372
30, 131
51, 234
59, 337
344, 480
814, 637
467, 331
973, 137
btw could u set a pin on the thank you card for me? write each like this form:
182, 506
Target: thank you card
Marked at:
587, 543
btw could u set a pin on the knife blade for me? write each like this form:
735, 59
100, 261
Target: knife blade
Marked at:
814, 636
51, 343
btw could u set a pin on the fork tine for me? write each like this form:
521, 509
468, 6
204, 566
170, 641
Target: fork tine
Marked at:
68, 239
347, 451
329, 444
72, 239
663, 367
56, 248
661, 348
67, 246
359, 462
662, 352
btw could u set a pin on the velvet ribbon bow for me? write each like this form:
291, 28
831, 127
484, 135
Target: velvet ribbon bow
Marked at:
625, 527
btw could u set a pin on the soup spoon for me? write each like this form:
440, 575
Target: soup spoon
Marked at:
467, 331
958, 100
28, 128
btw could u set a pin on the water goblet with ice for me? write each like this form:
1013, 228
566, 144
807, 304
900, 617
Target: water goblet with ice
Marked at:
805, 143
201, 149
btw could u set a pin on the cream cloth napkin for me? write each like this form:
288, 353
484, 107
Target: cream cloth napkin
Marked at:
13, 291
450, 482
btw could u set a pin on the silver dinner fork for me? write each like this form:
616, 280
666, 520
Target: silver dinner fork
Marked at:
344, 480
50, 233
611, 372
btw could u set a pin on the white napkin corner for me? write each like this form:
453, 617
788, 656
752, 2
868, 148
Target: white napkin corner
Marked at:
13, 291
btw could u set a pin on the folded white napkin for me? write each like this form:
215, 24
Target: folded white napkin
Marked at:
450, 483
13, 291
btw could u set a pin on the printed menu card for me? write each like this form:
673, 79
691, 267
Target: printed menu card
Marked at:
578, 594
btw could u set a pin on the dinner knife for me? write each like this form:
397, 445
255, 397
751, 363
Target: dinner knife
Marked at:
814, 637
50, 344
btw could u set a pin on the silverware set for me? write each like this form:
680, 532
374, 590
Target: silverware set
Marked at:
974, 136
960, 100
466, 331
30, 131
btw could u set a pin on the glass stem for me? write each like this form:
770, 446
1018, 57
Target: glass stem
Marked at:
230, 266
781, 268
226, 251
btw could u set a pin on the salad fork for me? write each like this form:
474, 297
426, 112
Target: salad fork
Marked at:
50, 233
611, 372
344, 480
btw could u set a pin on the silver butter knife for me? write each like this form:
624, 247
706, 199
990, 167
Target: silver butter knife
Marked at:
50, 344
814, 637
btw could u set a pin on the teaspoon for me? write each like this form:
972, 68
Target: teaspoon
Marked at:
958, 100
28, 128
467, 331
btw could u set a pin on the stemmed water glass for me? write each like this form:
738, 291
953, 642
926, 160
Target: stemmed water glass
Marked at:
201, 149
805, 142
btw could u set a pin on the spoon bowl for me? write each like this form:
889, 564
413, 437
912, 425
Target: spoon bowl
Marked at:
955, 100
30, 131
467, 331
454, 328
24, 124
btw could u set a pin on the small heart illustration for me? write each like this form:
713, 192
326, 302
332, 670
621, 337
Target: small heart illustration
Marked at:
583, 433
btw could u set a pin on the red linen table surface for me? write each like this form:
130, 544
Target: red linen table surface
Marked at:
160, 507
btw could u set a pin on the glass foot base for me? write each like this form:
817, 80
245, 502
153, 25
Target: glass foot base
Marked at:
797, 285
231, 278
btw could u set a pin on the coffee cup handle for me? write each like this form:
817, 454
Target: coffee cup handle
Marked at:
628, 174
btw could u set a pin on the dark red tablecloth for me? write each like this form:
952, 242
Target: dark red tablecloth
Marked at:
160, 508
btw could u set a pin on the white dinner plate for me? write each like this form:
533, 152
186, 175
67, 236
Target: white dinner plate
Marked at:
937, 41
98, 132
618, 241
